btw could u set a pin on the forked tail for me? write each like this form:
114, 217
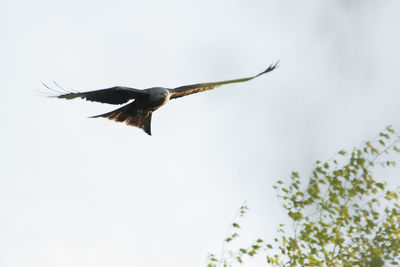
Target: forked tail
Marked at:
131, 115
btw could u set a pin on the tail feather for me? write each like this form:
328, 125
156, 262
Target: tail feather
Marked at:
131, 115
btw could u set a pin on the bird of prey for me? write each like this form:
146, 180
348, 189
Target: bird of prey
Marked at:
146, 101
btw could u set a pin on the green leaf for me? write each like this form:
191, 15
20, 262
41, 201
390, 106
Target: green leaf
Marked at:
390, 129
235, 225
296, 216
380, 185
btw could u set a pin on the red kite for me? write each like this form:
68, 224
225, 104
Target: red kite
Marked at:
146, 101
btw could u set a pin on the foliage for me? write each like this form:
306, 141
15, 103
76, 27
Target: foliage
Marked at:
229, 256
342, 217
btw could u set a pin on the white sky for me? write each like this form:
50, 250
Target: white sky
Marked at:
91, 192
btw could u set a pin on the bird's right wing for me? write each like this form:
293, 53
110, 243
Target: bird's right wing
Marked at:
113, 95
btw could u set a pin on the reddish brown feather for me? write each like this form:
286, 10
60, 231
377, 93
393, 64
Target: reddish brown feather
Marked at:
132, 116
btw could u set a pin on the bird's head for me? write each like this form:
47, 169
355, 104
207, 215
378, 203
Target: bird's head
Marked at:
159, 92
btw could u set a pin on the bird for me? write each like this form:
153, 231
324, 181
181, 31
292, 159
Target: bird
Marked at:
138, 113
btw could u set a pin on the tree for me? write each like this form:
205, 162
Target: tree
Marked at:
344, 216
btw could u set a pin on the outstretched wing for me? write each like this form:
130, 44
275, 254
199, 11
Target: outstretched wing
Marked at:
200, 87
113, 95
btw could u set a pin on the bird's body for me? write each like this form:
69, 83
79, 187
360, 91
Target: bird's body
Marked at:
138, 113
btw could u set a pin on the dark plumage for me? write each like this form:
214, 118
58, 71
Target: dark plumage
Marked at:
138, 113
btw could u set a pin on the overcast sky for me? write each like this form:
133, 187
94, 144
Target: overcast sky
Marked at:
90, 192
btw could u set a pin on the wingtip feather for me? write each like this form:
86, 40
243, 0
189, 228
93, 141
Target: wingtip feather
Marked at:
272, 67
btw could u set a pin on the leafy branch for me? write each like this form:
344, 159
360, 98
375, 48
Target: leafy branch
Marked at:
342, 216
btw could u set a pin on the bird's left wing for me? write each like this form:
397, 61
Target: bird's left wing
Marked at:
200, 87
113, 95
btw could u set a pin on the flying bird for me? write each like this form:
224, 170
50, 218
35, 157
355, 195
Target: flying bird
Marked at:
146, 101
